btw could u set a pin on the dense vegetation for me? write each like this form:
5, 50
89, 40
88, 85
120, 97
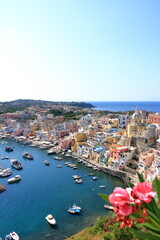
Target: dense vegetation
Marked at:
68, 115
105, 228
22, 104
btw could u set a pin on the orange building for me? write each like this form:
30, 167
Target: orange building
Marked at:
154, 118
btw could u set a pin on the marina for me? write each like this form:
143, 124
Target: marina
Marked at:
49, 190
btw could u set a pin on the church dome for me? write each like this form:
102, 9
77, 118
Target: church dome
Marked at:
137, 114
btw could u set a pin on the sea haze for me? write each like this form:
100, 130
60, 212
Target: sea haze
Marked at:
153, 106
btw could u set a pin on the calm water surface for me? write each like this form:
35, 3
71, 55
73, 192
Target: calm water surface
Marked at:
151, 106
48, 189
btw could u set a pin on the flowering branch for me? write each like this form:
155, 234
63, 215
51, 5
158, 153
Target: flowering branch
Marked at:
136, 207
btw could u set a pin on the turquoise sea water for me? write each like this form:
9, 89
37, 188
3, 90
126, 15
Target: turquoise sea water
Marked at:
48, 189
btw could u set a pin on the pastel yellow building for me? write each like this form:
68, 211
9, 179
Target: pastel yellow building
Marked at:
136, 128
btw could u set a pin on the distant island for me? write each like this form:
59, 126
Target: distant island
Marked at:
22, 104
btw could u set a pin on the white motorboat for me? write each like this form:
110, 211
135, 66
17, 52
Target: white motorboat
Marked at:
94, 178
16, 164
52, 151
102, 186
50, 219
14, 236
76, 176
79, 180
59, 166
2, 171
17, 178
76, 207
108, 206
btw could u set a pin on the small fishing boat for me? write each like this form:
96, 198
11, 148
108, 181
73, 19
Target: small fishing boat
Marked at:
9, 149
79, 180
16, 164
58, 158
91, 174
14, 236
76, 176
51, 151
66, 163
70, 210
76, 207
108, 207
50, 219
17, 178
6, 174
102, 186
75, 167
8, 237
27, 155
46, 163
94, 178
2, 171
5, 157
59, 166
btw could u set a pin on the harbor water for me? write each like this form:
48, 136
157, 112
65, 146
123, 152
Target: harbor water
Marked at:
47, 190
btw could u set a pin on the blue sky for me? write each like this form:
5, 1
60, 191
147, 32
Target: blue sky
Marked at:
80, 50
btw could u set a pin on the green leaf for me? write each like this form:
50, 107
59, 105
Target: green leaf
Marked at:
157, 186
152, 206
140, 177
151, 228
155, 217
144, 235
104, 197
135, 215
130, 184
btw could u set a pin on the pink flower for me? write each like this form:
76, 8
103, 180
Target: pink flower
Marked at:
143, 191
119, 197
125, 210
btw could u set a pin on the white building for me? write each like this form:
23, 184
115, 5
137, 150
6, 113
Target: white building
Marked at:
122, 121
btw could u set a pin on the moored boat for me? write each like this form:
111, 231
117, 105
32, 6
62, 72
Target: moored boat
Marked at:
70, 210
94, 178
102, 186
27, 155
5, 157
58, 158
46, 163
16, 164
9, 149
59, 166
91, 174
76, 207
76, 176
79, 180
108, 207
6, 174
50, 219
17, 178
14, 236
8, 237
74, 210
52, 151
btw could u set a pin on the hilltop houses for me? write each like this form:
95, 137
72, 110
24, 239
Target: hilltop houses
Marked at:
110, 140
